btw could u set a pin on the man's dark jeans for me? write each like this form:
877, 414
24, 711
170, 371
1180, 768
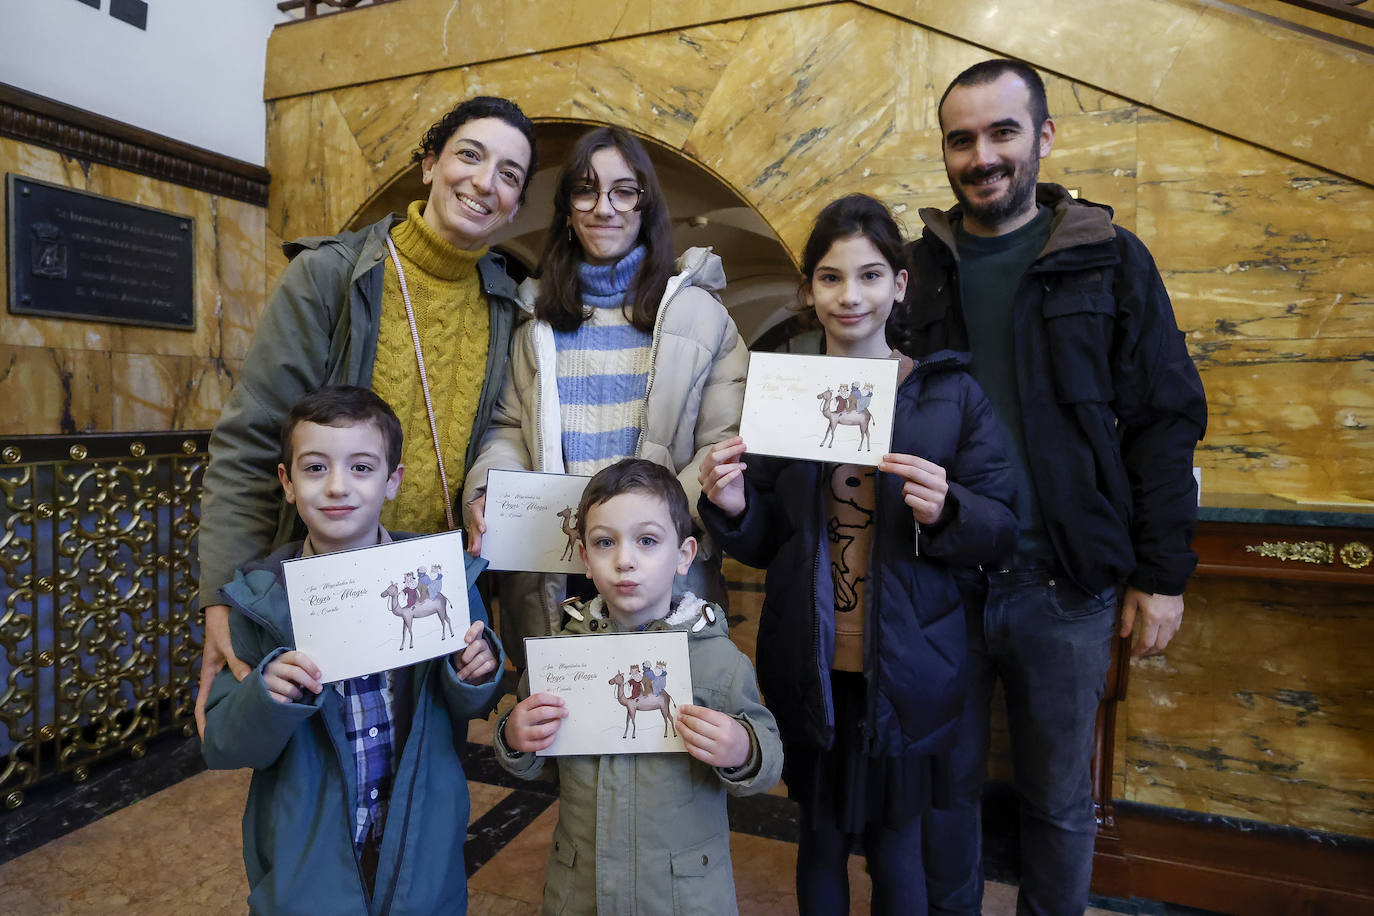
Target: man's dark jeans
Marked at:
1050, 643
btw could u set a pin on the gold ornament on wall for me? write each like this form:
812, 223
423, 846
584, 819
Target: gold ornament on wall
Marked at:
1295, 551
1356, 555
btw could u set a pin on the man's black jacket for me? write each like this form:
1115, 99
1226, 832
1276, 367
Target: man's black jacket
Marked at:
1111, 403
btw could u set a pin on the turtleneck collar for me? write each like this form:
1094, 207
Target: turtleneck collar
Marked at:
611, 279
424, 247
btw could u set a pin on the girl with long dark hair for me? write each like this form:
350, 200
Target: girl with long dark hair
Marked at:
861, 641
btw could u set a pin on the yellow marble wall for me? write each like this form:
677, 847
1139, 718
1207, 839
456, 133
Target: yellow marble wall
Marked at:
1269, 257
82, 376
1270, 263
1263, 708
1269, 81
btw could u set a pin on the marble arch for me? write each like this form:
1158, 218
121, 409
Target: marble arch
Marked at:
784, 111
787, 109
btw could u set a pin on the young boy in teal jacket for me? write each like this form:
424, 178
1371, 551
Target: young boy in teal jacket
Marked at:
358, 803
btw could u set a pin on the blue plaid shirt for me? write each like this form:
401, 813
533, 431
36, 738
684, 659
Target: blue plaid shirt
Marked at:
367, 725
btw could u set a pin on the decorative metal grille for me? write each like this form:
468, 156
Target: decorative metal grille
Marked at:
309, 9
99, 635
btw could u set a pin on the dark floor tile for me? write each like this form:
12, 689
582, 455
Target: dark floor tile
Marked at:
490, 833
770, 816
61, 806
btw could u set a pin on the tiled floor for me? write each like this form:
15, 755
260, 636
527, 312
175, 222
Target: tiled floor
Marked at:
177, 851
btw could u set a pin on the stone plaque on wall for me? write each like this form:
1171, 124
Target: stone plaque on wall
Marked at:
78, 255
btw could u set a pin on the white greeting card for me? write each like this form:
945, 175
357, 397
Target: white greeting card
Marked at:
532, 521
622, 690
362, 611
820, 408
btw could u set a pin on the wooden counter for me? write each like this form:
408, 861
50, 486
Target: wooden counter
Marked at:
1280, 581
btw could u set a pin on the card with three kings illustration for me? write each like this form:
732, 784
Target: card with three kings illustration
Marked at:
819, 408
371, 609
622, 690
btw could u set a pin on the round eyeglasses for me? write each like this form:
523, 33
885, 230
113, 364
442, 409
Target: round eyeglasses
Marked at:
623, 198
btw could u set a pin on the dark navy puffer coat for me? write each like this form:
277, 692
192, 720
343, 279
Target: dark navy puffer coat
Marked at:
914, 633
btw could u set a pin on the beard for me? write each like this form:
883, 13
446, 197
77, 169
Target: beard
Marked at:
1019, 195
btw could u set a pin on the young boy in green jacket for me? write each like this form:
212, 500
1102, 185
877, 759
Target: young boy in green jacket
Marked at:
648, 833
358, 803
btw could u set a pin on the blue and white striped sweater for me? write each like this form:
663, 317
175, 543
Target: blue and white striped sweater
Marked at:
603, 371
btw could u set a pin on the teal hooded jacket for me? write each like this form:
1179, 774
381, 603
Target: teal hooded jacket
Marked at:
298, 821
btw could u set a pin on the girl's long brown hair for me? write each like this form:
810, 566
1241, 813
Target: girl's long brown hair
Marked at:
560, 301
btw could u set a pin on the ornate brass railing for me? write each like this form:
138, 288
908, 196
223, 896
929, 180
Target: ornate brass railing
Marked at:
311, 8
99, 636
1349, 10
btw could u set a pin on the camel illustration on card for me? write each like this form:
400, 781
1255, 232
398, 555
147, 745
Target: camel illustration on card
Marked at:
645, 692
568, 525
420, 597
849, 408
531, 521
608, 683
344, 605
855, 396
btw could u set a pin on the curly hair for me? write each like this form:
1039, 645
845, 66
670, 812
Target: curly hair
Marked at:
473, 109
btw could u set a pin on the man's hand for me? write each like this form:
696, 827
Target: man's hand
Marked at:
476, 663
289, 675
1160, 617
713, 737
219, 651
477, 524
534, 722
722, 476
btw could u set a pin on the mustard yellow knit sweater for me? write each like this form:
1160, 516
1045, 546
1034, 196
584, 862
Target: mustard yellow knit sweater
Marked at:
452, 317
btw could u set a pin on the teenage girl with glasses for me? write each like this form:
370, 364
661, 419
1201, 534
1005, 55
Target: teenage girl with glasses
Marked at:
630, 355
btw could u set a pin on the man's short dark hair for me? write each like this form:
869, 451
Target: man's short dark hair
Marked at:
344, 405
474, 109
990, 71
637, 475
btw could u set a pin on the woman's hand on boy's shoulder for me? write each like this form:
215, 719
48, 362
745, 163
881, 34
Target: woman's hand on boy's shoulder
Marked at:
289, 675
924, 485
219, 651
722, 476
713, 737
476, 663
534, 722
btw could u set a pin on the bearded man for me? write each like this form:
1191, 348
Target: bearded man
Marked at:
1074, 340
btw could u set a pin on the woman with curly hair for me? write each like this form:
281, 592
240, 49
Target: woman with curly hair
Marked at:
415, 308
